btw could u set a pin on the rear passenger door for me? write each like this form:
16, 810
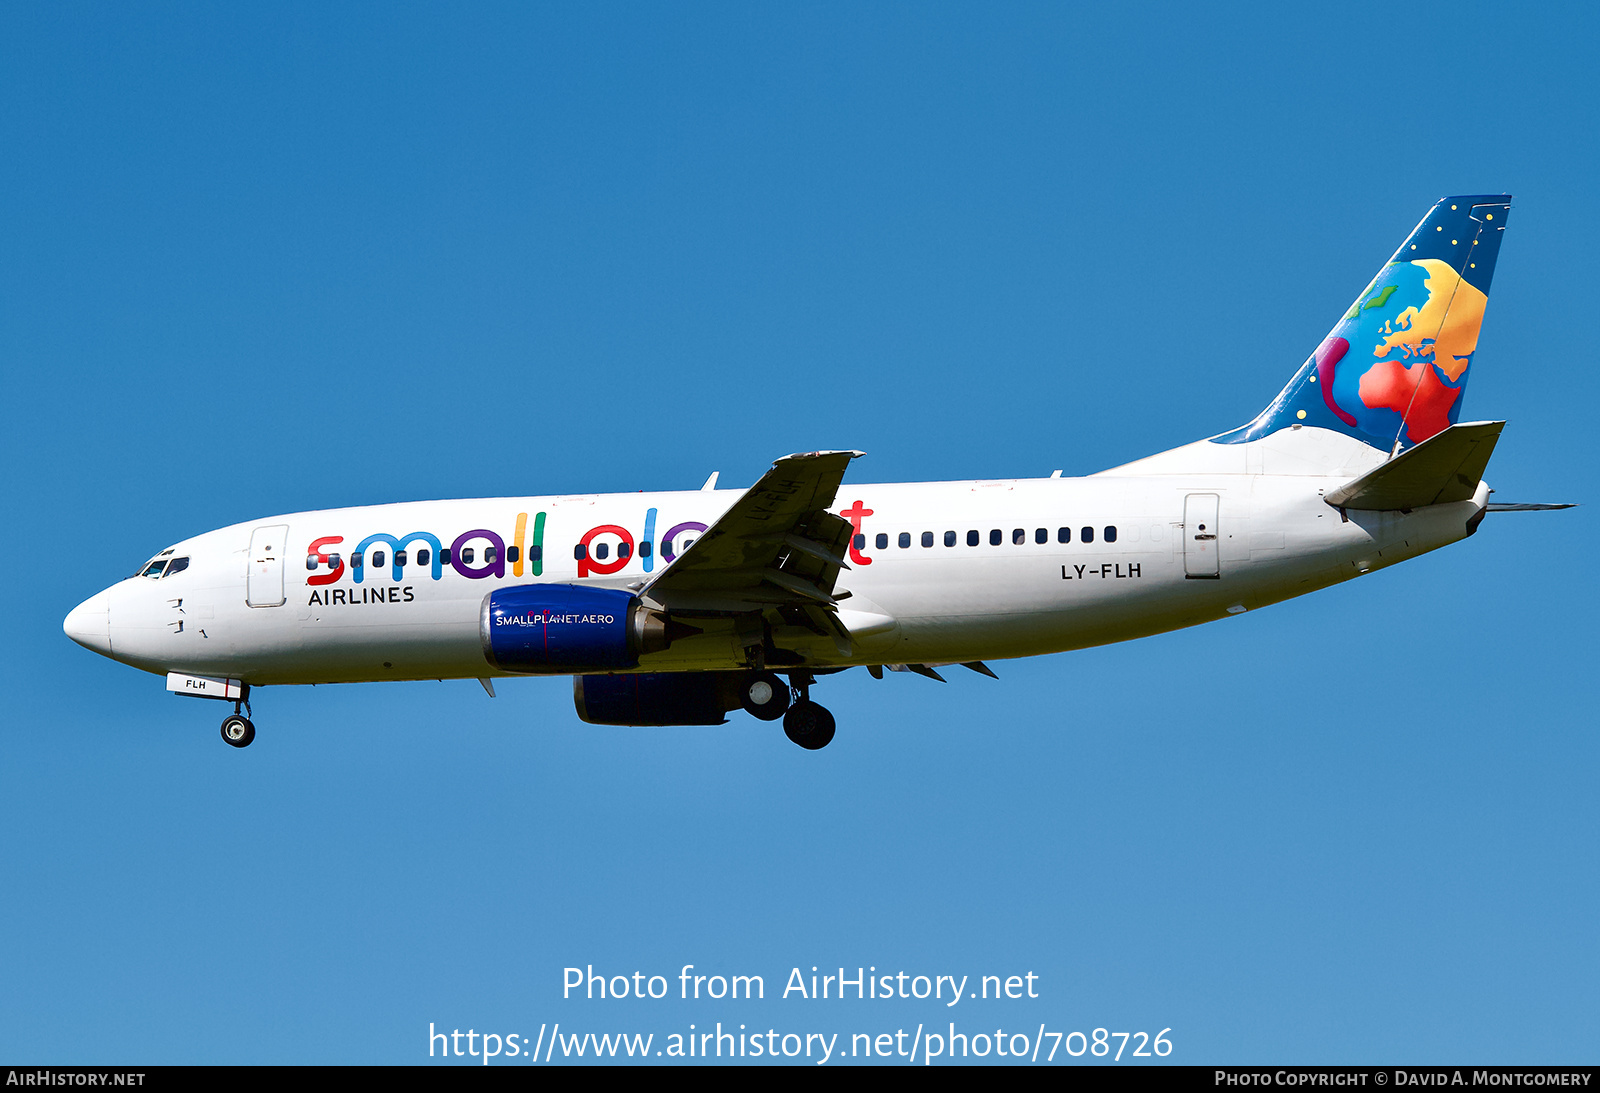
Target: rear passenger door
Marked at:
1200, 542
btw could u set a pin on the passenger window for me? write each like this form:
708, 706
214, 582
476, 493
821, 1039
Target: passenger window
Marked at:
949, 538
444, 555
972, 537
580, 552
883, 541
1086, 535
178, 565
1018, 536
861, 542
1063, 535
514, 554
622, 552
644, 549
399, 559
536, 554
377, 559
357, 561
602, 551
1041, 535
489, 555
994, 536
1111, 534
927, 538
311, 561
467, 554
422, 557
666, 548
905, 539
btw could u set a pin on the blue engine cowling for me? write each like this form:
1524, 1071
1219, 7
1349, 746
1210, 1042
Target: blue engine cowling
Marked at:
656, 698
566, 627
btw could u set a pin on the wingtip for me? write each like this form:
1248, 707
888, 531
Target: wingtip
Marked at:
853, 454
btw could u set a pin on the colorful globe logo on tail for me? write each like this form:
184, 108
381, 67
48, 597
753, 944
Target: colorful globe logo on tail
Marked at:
1393, 370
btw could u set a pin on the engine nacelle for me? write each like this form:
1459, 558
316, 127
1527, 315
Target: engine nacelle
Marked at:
656, 698
566, 627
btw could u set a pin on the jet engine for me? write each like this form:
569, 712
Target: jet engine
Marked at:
566, 627
657, 698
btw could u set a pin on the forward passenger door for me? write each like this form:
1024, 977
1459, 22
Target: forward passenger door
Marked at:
264, 585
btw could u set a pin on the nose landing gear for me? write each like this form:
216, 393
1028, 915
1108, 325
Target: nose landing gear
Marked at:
237, 731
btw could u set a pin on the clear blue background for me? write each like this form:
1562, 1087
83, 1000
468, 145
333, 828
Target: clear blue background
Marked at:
256, 262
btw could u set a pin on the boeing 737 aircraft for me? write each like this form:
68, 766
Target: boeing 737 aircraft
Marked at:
677, 608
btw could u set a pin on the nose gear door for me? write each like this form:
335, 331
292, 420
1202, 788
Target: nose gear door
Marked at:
264, 585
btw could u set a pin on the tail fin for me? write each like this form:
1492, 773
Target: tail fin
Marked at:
1392, 372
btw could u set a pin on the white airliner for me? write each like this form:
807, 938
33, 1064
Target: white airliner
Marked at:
677, 608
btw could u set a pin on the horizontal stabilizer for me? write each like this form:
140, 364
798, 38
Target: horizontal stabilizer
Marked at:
1444, 468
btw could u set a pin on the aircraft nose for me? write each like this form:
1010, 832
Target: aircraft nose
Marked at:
89, 624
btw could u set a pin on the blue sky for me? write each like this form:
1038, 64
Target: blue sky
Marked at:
257, 262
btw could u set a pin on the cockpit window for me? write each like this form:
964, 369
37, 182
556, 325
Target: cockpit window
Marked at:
162, 565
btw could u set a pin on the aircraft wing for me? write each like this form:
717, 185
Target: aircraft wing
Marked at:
777, 546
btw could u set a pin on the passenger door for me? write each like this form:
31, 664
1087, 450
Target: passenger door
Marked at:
264, 585
1200, 541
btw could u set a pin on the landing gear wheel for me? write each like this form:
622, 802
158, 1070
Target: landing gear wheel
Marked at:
237, 731
764, 695
808, 724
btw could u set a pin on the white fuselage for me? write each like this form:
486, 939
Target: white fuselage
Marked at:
248, 608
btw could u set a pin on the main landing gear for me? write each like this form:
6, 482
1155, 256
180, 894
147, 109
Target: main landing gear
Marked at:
764, 695
237, 731
808, 724
805, 722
